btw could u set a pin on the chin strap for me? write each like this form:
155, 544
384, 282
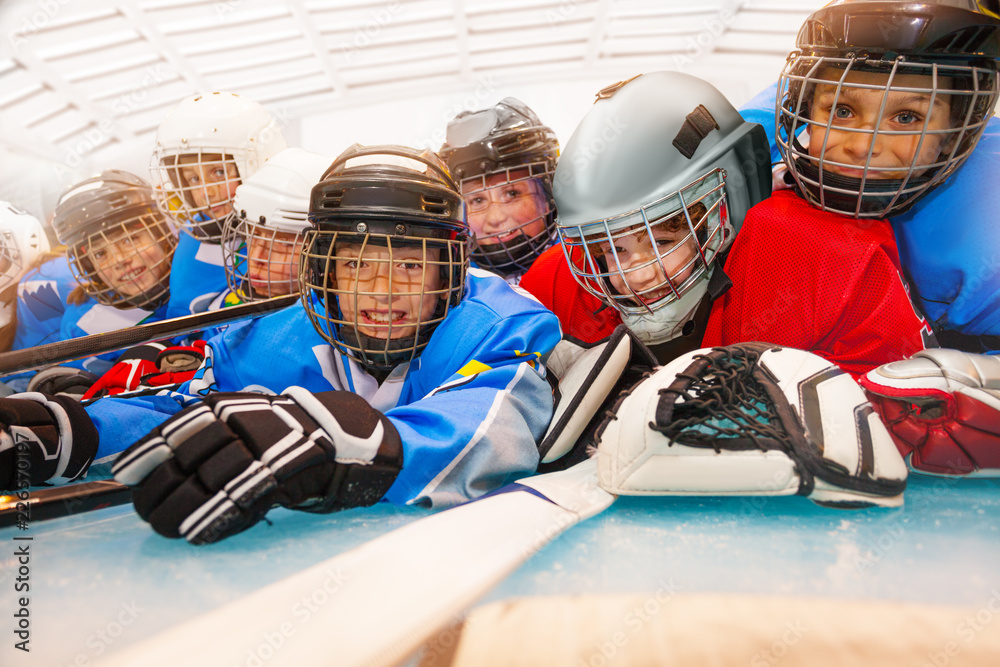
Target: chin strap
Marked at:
668, 322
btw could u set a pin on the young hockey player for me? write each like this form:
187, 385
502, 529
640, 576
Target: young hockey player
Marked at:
943, 221
262, 241
119, 251
644, 224
889, 115
419, 381
22, 243
205, 148
503, 158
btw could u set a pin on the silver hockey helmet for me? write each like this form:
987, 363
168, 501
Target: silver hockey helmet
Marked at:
882, 100
262, 240
119, 244
205, 147
387, 254
503, 158
651, 188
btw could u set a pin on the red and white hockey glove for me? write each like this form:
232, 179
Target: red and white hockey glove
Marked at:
942, 408
150, 365
216, 468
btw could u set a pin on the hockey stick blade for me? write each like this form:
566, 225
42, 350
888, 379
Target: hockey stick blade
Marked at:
59, 352
59, 501
390, 595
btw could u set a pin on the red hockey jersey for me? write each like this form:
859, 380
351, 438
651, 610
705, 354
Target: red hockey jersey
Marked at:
817, 281
581, 315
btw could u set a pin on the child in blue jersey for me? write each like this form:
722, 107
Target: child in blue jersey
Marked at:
503, 158
119, 251
404, 375
205, 148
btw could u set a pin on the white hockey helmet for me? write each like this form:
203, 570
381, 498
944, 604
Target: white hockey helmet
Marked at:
262, 241
205, 147
22, 241
663, 158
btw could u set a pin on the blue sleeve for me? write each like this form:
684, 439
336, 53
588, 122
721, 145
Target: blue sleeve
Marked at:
479, 428
760, 109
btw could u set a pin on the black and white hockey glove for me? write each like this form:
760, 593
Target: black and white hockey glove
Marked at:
44, 439
751, 419
62, 380
216, 468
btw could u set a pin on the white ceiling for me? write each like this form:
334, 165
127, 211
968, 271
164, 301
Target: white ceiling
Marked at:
83, 80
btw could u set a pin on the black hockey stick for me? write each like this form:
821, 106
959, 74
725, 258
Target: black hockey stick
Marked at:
33, 358
59, 501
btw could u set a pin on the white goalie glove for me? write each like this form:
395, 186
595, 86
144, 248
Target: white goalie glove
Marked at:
751, 419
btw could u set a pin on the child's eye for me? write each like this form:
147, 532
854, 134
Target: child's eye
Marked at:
907, 118
100, 254
842, 112
512, 193
219, 173
412, 266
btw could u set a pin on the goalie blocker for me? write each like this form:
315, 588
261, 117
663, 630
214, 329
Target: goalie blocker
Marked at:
750, 419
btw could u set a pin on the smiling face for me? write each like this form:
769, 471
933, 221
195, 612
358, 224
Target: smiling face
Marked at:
132, 260
272, 261
510, 206
857, 108
387, 293
209, 182
644, 262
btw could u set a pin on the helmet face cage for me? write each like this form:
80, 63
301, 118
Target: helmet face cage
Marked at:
878, 191
11, 263
700, 209
126, 264
515, 255
261, 261
347, 278
196, 186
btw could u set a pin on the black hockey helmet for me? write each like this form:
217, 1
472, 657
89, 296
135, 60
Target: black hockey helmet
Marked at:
499, 140
383, 198
953, 44
115, 213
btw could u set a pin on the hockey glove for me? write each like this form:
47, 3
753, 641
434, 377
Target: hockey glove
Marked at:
44, 439
587, 379
216, 468
62, 380
150, 365
942, 408
750, 419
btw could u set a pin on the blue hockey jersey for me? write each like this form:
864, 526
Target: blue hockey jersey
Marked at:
469, 410
41, 303
948, 242
197, 276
